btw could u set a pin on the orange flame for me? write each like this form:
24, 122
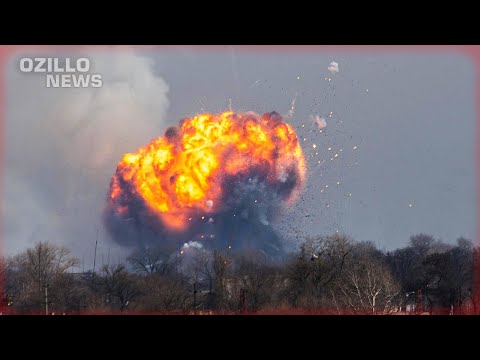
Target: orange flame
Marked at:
183, 172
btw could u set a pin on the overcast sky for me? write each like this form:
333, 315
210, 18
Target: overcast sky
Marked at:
410, 116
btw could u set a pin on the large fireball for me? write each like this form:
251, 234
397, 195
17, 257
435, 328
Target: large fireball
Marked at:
207, 166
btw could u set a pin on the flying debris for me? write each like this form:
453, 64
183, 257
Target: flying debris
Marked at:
333, 68
319, 121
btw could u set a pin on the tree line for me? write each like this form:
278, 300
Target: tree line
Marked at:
327, 274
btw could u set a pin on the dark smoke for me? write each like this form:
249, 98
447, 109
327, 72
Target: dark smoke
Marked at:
249, 205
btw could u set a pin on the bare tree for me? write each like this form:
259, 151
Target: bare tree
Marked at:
310, 273
194, 271
221, 266
366, 284
38, 272
449, 275
118, 285
258, 279
3, 284
163, 294
156, 260
45, 261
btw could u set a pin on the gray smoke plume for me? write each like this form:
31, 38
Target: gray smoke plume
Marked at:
63, 145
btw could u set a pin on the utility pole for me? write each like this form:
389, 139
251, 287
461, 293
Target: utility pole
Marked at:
242, 301
46, 299
194, 296
179, 252
95, 257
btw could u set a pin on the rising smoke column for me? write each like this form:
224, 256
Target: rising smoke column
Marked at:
219, 179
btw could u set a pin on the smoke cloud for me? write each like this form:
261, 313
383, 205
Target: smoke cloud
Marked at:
63, 145
333, 68
320, 122
217, 180
192, 244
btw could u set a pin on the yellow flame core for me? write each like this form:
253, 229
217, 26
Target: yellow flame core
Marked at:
178, 175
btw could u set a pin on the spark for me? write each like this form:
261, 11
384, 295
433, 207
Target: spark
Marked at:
355, 147
336, 155
329, 148
338, 182
314, 146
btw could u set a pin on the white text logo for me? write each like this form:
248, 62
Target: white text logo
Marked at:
62, 73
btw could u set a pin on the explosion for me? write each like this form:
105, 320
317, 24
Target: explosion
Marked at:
201, 175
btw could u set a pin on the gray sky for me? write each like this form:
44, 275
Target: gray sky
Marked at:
413, 128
